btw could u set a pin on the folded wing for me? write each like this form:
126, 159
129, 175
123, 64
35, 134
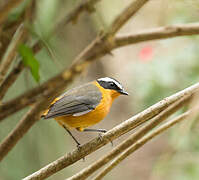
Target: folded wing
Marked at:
76, 102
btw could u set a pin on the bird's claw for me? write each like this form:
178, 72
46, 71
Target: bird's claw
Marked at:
78, 148
100, 137
103, 130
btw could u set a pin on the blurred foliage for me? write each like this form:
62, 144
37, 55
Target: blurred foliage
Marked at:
17, 12
167, 67
165, 74
30, 61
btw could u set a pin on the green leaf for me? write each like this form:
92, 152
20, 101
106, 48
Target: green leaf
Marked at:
30, 61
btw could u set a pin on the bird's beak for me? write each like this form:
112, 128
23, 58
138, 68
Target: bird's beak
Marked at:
124, 92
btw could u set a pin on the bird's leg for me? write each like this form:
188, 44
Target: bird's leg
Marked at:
96, 130
78, 144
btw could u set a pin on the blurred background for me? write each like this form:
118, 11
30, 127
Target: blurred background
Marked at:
149, 71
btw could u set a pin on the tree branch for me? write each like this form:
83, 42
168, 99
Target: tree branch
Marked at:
74, 14
123, 17
5, 10
33, 95
16, 71
11, 78
26, 123
87, 5
98, 48
17, 133
11, 51
85, 173
56, 85
141, 142
117, 131
158, 33
6, 34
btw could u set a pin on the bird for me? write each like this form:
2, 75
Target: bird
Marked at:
85, 105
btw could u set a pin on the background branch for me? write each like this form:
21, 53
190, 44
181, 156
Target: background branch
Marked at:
73, 16
11, 51
25, 124
11, 78
141, 142
128, 12
95, 50
117, 131
157, 33
55, 85
34, 94
27, 16
103, 44
85, 173
5, 10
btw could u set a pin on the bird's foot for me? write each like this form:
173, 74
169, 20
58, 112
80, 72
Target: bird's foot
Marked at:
79, 146
102, 131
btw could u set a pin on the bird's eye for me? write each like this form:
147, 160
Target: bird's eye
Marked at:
112, 84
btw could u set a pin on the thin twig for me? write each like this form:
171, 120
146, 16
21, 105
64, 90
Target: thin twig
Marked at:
25, 124
5, 10
10, 79
123, 17
11, 52
157, 33
15, 72
67, 77
17, 133
7, 34
87, 5
72, 16
117, 131
131, 140
98, 48
61, 80
141, 142
33, 95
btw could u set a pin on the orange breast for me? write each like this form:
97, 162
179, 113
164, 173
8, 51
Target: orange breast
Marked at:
92, 117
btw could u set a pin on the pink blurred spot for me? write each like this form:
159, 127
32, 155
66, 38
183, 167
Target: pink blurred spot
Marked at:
146, 54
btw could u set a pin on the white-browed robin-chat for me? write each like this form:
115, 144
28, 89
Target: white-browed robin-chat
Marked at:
85, 105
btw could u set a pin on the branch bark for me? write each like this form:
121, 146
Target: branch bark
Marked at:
17, 133
117, 131
99, 47
85, 173
141, 142
128, 12
11, 78
87, 5
5, 10
11, 51
25, 124
74, 14
51, 89
158, 33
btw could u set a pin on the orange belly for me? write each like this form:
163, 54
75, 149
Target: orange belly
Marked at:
93, 117
90, 118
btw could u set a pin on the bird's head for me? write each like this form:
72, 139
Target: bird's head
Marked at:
113, 85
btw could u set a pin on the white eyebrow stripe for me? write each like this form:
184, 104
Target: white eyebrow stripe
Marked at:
108, 79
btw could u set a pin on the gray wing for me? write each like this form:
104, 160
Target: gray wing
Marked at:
76, 102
